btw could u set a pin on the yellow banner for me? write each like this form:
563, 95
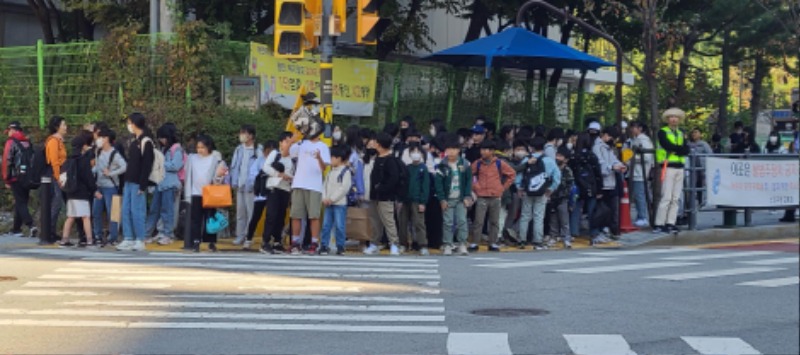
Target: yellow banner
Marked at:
353, 80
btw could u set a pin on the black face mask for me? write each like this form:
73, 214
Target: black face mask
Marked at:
372, 152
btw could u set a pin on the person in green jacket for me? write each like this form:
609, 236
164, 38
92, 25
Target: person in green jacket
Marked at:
454, 191
413, 206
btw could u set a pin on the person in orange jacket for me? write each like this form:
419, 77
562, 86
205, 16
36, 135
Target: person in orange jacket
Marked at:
491, 177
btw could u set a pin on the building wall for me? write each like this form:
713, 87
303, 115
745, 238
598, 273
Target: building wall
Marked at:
18, 25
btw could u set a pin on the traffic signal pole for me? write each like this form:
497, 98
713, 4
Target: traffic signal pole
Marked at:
326, 66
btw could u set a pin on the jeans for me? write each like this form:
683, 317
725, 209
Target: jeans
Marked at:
163, 207
410, 212
22, 215
335, 218
56, 202
455, 222
483, 205
244, 212
640, 201
100, 205
533, 207
134, 212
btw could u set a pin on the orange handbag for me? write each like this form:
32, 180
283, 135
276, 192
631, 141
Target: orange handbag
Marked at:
217, 196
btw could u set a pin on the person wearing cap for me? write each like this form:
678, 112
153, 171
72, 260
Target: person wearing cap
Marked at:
473, 153
672, 151
14, 145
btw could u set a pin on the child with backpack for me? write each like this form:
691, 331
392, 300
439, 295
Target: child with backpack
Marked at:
78, 183
141, 158
454, 191
539, 181
492, 177
162, 206
18, 157
108, 169
280, 172
338, 184
257, 182
559, 202
413, 205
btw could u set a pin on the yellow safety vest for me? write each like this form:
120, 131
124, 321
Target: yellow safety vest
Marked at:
676, 138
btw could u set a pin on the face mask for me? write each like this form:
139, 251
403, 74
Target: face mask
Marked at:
569, 146
432, 131
416, 156
99, 142
130, 128
337, 135
559, 142
773, 139
242, 138
520, 154
371, 152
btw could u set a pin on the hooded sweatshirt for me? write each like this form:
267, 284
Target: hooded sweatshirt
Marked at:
8, 151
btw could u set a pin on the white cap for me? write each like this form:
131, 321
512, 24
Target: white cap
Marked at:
595, 126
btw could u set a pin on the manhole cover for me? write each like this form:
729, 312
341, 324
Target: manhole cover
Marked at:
510, 312
8, 278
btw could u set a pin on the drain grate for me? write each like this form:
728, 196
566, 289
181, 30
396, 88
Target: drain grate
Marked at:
510, 312
8, 278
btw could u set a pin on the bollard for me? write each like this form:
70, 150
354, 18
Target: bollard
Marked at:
625, 224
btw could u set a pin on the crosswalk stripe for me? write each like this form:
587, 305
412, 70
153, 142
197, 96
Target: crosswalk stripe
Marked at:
478, 344
625, 267
785, 281
68, 252
598, 344
280, 306
54, 293
221, 315
138, 270
48, 284
182, 256
256, 274
271, 296
226, 326
779, 261
509, 265
638, 252
261, 263
714, 273
303, 288
716, 346
725, 255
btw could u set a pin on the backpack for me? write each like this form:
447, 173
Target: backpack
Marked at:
402, 183
158, 172
535, 179
352, 193
182, 172
23, 159
69, 176
584, 178
499, 170
260, 184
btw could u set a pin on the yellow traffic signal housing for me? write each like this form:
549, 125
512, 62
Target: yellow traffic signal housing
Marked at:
340, 13
369, 25
290, 29
313, 18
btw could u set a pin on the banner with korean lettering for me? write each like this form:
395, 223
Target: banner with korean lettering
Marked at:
353, 80
753, 182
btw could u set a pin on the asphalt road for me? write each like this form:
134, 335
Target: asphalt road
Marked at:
645, 301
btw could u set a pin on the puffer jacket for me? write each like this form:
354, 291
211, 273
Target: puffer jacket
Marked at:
607, 160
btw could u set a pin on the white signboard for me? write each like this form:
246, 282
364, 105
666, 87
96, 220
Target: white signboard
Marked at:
753, 183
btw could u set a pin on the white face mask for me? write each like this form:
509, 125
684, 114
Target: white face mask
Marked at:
773, 139
99, 142
520, 154
130, 128
242, 138
432, 131
337, 135
416, 156
559, 142
569, 145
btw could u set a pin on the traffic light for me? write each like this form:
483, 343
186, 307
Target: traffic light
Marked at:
369, 25
340, 14
290, 28
313, 20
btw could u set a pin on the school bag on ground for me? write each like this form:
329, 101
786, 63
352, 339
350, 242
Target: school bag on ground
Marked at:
535, 180
158, 171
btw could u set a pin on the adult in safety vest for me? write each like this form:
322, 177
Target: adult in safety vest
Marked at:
671, 154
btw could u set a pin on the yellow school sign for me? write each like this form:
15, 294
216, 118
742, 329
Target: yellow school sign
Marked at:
353, 80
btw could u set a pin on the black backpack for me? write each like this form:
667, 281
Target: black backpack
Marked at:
402, 182
23, 159
260, 185
584, 177
69, 176
535, 179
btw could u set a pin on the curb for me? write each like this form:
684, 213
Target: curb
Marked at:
714, 235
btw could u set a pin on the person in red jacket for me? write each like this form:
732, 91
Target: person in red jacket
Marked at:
491, 177
22, 216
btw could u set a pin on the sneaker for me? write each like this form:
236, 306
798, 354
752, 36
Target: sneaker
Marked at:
402, 249
138, 246
494, 248
277, 248
522, 245
394, 250
212, 247
295, 250
324, 250
659, 230
641, 223
599, 240
66, 244
371, 250
549, 241
247, 245
447, 250
126, 245
196, 247
568, 243
238, 241
153, 239
266, 249
462, 250
540, 247
424, 252
615, 237
33, 232
312, 249
473, 247
340, 251
165, 241
670, 228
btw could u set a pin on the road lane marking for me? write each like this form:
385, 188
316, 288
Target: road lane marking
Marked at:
598, 344
478, 344
343, 328
625, 267
260, 263
510, 265
54, 293
270, 296
180, 256
48, 284
786, 281
779, 261
137, 269
221, 315
331, 275
720, 255
638, 252
716, 346
229, 305
714, 273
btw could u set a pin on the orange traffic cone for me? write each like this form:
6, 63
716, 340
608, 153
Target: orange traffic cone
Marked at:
625, 224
